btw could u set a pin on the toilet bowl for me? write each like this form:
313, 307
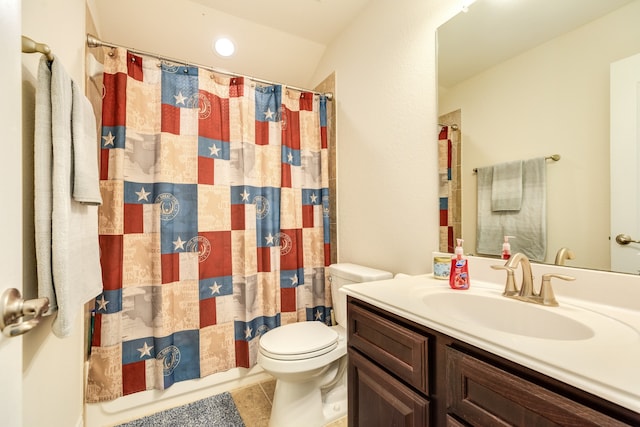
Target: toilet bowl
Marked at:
309, 359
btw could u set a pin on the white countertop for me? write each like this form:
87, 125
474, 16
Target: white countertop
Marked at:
606, 364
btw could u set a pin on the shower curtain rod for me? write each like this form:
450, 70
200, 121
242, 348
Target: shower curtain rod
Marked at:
554, 157
452, 126
93, 41
30, 46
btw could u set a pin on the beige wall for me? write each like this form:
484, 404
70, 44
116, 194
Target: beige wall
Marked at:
508, 113
387, 136
52, 367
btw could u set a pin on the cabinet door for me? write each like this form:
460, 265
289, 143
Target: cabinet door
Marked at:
393, 346
376, 399
484, 395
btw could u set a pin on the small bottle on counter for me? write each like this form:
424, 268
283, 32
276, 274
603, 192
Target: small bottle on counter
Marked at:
506, 247
459, 273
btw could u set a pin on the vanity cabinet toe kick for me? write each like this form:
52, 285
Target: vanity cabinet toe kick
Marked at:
405, 374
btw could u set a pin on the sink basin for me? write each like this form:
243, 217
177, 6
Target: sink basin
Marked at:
507, 315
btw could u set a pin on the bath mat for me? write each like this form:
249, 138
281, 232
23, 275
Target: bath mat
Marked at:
214, 411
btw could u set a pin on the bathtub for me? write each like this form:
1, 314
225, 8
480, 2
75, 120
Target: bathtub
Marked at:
137, 405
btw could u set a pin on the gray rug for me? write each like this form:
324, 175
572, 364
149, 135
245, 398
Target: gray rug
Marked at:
214, 411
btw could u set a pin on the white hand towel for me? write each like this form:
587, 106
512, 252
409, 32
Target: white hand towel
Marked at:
86, 182
506, 188
77, 275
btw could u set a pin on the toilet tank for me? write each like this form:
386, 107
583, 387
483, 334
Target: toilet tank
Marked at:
345, 274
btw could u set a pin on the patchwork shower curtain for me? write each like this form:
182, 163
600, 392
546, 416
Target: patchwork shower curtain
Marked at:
215, 222
450, 193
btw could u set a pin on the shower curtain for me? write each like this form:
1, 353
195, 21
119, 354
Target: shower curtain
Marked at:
215, 222
449, 189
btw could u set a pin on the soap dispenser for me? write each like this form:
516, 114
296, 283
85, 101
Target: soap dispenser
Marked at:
459, 272
506, 247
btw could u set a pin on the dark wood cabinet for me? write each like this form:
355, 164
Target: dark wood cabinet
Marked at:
391, 345
388, 371
379, 399
484, 395
404, 374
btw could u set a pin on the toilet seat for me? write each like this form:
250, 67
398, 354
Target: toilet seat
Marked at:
297, 341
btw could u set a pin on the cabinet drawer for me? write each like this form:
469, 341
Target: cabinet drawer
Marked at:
376, 399
400, 350
485, 395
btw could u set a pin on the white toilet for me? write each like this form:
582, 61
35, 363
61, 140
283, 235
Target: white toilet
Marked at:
309, 359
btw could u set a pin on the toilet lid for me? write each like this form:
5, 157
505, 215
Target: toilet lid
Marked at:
297, 341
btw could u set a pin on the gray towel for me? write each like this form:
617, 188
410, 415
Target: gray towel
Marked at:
69, 271
506, 189
528, 225
42, 161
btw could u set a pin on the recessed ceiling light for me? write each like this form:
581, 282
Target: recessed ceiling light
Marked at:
224, 47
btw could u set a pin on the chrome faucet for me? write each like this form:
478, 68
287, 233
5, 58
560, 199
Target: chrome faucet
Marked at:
526, 288
563, 255
526, 292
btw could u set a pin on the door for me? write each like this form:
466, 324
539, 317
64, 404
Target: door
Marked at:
625, 162
11, 207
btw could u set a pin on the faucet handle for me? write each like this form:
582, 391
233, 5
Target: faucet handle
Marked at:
510, 286
546, 291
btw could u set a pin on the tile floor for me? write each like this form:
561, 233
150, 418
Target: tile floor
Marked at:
254, 405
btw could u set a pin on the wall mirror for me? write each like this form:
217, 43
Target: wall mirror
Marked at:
530, 78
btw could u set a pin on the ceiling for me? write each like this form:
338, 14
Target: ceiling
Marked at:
302, 29
316, 20
495, 30
276, 40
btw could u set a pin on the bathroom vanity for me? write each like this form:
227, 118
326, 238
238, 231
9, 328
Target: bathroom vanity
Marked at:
412, 364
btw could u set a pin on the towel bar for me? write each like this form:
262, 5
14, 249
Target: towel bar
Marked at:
554, 157
30, 46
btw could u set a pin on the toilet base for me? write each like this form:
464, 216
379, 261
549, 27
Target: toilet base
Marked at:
293, 402
298, 404
335, 402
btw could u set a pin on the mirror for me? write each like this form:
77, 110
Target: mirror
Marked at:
530, 78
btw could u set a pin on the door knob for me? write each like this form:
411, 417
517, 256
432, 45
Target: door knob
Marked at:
18, 316
625, 239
